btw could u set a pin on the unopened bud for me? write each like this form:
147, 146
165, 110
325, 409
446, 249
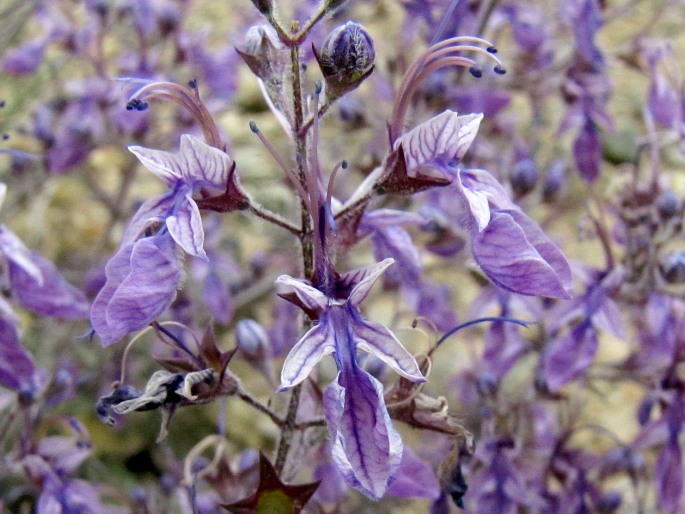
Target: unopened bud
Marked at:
251, 338
346, 58
609, 502
668, 204
673, 267
554, 181
262, 52
524, 177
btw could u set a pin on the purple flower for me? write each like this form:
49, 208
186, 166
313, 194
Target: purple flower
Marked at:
509, 247
198, 167
144, 274
34, 282
366, 447
18, 370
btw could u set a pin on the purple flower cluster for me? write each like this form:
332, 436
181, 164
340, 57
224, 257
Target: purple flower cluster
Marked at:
397, 201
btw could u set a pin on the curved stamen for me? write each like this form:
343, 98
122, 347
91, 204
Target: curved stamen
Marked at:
331, 180
435, 58
188, 98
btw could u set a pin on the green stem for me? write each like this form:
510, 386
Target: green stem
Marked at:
289, 424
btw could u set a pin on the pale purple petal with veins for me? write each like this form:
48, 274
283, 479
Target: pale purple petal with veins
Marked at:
141, 283
366, 447
514, 253
318, 342
196, 164
165, 165
310, 297
185, 226
204, 163
442, 140
366, 277
377, 340
116, 270
156, 209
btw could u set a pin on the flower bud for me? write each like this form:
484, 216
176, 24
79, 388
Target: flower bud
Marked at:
346, 58
673, 267
262, 52
524, 177
668, 204
554, 181
251, 338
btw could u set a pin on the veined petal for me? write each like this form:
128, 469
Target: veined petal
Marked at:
142, 279
318, 342
116, 270
517, 256
479, 207
167, 166
443, 139
185, 226
366, 447
365, 278
377, 340
483, 182
204, 163
311, 298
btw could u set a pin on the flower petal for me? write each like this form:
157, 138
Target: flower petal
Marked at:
568, 356
442, 140
415, 478
53, 296
515, 254
318, 342
17, 367
14, 251
366, 447
204, 163
363, 279
307, 297
141, 283
156, 209
165, 165
377, 340
185, 226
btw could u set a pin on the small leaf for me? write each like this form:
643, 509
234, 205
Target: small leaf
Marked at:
273, 496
